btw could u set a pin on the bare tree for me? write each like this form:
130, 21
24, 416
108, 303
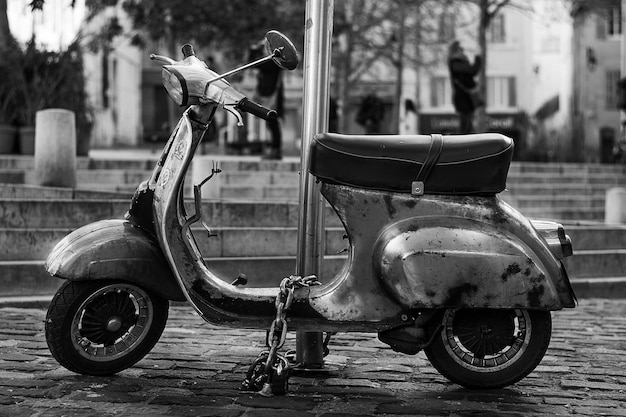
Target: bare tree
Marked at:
369, 32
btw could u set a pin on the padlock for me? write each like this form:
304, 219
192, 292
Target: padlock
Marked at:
279, 376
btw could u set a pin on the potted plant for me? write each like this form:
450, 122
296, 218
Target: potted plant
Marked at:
53, 80
10, 93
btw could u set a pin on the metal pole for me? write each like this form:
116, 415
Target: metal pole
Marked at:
310, 255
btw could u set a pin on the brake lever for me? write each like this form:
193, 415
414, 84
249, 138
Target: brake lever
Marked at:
230, 108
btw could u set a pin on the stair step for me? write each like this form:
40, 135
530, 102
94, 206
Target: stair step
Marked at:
599, 287
260, 178
596, 263
597, 237
21, 278
29, 278
548, 189
24, 191
36, 244
271, 192
75, 213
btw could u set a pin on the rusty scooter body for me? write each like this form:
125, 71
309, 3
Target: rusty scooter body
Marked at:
436, 260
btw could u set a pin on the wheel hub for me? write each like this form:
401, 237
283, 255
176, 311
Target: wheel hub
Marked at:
108, 317
114, 324
484, 332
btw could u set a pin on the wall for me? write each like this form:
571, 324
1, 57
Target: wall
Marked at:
595, 54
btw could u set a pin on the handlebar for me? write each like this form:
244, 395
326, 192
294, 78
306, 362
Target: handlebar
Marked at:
201, 85
163, 59
249, 106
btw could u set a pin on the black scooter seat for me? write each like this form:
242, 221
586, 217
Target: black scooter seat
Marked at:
467, 164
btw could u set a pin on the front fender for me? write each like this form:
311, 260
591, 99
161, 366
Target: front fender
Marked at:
114, 249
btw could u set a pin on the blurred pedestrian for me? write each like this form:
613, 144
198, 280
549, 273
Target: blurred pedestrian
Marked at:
371, 113
270, 93
466, 96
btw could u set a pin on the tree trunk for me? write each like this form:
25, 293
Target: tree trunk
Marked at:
483, 23
5, 32
397, 106
345, 68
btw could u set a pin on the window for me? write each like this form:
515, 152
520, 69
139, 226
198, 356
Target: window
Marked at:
447, 23
614, 21
440, 92
611, 96
495, 31
501, 92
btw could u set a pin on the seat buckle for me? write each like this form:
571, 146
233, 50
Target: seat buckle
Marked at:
417, 188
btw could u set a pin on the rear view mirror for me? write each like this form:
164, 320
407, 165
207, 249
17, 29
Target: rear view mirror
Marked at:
283, 52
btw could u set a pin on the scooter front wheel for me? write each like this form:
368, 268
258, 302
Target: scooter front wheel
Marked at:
489, 348
103, 327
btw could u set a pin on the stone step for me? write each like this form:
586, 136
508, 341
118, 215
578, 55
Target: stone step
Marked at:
55, 213
604, 180
556, 201
597, 263
564, 213
25, 163
565, 167
36, 244
25, 191
596, 236
20, 278
548, 189
267, 192
29, 278
41, 214
263, 178
599, 287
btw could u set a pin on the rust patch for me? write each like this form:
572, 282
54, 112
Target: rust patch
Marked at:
456, 294
511, 270
410, 203
538, 279
391, 209
535, 295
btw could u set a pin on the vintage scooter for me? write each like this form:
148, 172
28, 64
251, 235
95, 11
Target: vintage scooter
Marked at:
436, 261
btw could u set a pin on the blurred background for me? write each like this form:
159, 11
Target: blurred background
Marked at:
551, 73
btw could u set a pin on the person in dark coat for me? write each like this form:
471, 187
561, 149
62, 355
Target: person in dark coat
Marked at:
462, 74
270, 93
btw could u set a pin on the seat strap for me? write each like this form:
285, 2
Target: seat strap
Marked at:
434, 152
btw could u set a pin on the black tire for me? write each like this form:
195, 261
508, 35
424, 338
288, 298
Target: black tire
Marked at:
103, 327
488, 348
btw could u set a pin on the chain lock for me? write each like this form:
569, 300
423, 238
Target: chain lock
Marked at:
269, 373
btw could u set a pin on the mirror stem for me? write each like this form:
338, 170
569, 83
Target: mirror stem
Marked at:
251, 64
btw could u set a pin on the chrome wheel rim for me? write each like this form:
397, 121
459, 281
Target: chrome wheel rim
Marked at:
485, 340
111, 322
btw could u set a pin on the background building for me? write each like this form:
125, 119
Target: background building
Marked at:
552, 73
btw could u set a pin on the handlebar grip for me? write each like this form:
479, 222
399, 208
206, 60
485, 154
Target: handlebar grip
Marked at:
248, 106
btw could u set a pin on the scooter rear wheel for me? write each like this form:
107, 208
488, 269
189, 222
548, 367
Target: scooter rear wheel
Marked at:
489, 348
103, 327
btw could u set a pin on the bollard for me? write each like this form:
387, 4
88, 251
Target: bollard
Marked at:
55, 148
615, 206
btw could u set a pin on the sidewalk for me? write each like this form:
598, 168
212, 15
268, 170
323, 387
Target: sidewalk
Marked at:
196, 370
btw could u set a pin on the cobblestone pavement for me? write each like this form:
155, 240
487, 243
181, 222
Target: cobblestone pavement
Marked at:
196, 370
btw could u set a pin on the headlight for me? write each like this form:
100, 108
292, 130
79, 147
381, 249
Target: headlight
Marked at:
175, 86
